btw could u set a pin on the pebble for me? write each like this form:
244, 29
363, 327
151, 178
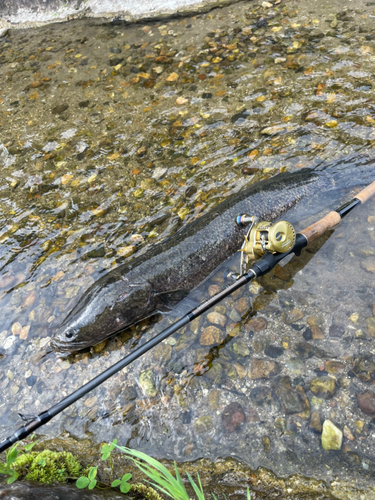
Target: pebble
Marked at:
240, 348
213, 290
217, 318
266, 442
370, 323
263, 368
9, 342
100, 347
366, 402
162, 353
315, 323
213, 399
364, 369
211, 335
332, 366
203, 424
90, 402
287, 395
292, 316
274, 351
369, 265
232, 417
325, 387
331, 436
315, 422
347, 433
147, 382
336, 330
256, 325
242, 305
235, 316
126, 251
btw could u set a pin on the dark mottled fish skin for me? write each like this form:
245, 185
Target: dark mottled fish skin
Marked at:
133, 291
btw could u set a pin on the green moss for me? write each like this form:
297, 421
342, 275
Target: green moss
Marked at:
146, 492
48, 466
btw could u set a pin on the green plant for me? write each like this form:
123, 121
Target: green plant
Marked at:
123, 483
10, 466
88, 480
162, 479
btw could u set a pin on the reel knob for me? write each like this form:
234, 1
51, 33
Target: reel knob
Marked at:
264, 236
281, 237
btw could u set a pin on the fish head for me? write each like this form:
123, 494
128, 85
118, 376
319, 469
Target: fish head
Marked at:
106, 308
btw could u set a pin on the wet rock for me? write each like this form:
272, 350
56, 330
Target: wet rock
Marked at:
331, 436
282, 273
242, 305
369, 265
195, 325
239, 348
186, 417
307, 334
256, 325
232, 417
213, 290
364, 369
333, 366
347, 433
315, 324
288, 396
147, 382
215, 373
235, 316
203, 424
315, 422
211, 336
162, 353
292, 316
263, 368
304, 350
336, 330
366, 402
262, 397
324, 387
98, 348
281, 424
266, 442
213, 399
249, 170
370, 322
58, 110
217, 318
30, 381
274, 351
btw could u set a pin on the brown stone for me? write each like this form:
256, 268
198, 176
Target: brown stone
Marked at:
369, 265
323, 387
99, 347
213, 290
315, 422
293, 316
211, 335
232, 417
366, 402
370, 322
333, 366
256, 325
282, 272
213, 399
263, 368
242, 305
217, 318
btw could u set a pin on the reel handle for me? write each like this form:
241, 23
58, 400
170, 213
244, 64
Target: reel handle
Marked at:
313, 232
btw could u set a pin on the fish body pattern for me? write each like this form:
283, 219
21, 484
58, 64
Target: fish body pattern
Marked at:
136, 290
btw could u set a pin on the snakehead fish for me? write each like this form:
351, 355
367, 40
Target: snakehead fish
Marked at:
136, 290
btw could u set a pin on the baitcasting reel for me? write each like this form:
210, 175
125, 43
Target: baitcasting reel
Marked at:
264, 236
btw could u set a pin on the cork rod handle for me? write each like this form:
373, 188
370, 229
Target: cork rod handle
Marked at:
313, 232
366, 193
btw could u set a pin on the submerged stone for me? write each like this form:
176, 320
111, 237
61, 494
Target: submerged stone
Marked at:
366, 402
331, 436
203, 424
147, 382
263, 368
232, 417
324, 387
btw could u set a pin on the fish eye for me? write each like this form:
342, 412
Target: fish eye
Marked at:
70, 333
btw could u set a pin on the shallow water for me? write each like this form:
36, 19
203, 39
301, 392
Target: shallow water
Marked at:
112, 137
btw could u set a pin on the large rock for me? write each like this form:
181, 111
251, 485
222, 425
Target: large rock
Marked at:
331, 436
366, 402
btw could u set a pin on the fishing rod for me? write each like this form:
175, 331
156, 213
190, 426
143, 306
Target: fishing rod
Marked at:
265, 242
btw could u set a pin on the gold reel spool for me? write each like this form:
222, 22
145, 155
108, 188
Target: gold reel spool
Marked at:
277, 237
